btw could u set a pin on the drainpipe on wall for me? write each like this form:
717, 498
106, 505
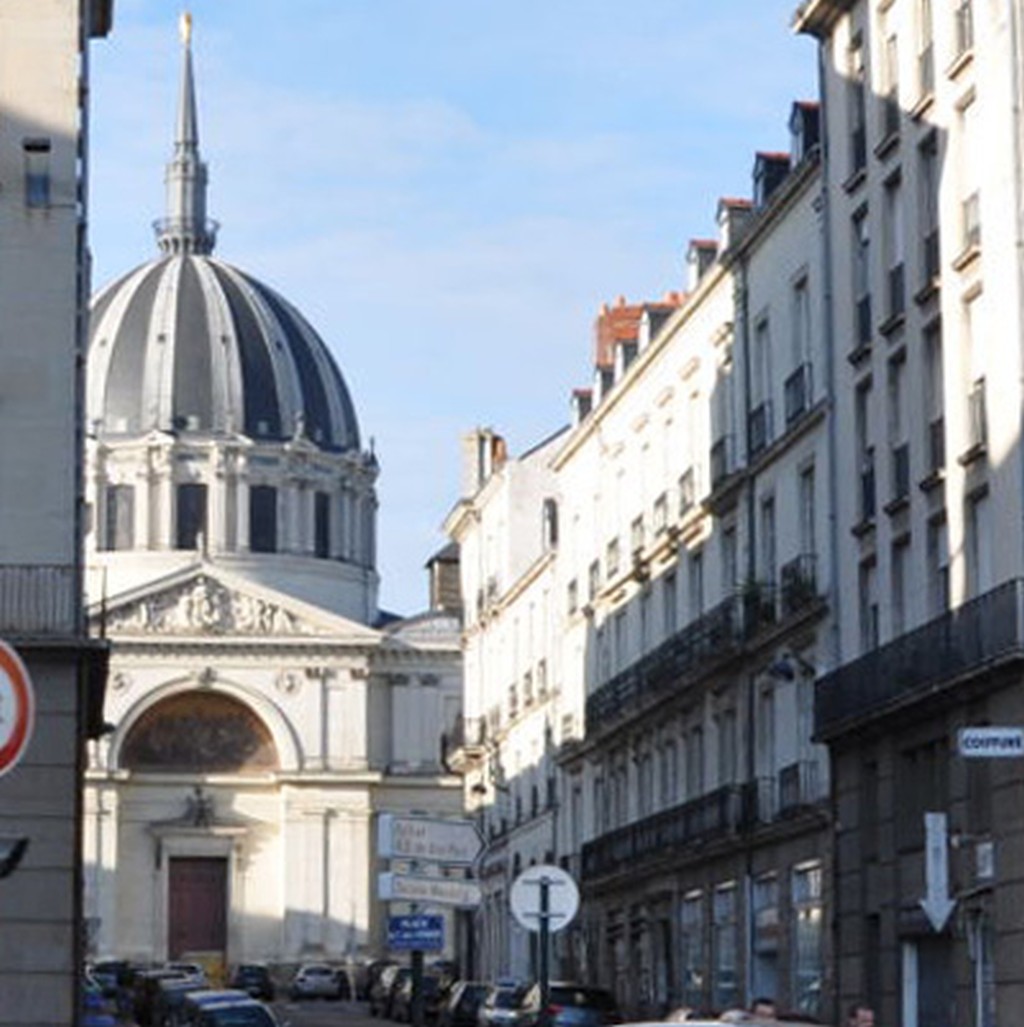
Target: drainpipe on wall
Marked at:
833, 654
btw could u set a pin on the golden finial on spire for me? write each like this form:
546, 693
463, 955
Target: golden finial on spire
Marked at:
185, 27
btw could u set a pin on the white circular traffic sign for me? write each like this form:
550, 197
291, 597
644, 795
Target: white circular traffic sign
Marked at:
526, 897
17, 708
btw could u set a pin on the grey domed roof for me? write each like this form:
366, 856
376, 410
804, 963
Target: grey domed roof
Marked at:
188, 342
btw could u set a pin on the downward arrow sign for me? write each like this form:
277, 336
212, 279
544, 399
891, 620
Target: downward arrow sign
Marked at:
937, 904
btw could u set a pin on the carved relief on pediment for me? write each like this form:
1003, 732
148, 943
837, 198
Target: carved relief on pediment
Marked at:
205, 606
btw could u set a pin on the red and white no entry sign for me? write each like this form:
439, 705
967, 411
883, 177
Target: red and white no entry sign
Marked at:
17, 708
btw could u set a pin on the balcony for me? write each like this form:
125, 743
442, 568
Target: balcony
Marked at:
799, 785
797, 393
799, 583
976, 637
759, 428
701, 645
664, 834
39, 601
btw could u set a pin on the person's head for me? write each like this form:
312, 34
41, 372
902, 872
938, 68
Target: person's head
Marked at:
763, 1008
861, 1015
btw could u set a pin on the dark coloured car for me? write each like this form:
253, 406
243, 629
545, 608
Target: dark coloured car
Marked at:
383, 991
145, 988
433, 995
197, 1001
462, 1005
571, 1005
169, 1001
255, 980
247, 1012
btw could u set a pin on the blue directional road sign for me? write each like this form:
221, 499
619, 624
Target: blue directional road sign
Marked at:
416, 932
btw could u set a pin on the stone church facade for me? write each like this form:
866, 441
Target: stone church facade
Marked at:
261, 711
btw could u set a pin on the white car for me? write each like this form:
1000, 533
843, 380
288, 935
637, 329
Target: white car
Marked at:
316, 980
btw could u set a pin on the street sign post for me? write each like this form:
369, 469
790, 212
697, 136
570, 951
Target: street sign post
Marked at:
937, 904
991, 742
544, 898
438, 891
416, 931
17, 708
428, 839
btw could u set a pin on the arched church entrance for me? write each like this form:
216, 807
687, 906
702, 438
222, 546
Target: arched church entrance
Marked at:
196, 733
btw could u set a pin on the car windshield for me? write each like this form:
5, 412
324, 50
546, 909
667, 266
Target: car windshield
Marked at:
507, 998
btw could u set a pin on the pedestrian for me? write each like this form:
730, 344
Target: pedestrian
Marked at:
860, 1015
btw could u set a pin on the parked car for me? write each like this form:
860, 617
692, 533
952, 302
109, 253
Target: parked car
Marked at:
196, 1001
383, 991
169, 1000
373, 973
243, 1012
255, 980
571, 1005
195, 972
433, 995
145, 986
97, 1009
501, 1007
462, 1005
317, 980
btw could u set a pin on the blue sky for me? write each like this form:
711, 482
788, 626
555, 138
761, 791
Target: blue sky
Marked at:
448, 189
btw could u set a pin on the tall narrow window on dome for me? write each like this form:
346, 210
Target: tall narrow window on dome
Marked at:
263, 519
119, 518
191, 515
322, 525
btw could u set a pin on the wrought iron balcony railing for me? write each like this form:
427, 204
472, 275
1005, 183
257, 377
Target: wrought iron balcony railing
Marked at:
971, 638
799, 581
717, 813
701, 645
39, 601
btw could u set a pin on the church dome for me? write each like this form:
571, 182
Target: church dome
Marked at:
220, 428
188, 343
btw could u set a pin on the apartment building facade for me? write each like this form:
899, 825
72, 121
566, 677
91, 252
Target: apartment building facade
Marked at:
923, 176
684, 615
44, 50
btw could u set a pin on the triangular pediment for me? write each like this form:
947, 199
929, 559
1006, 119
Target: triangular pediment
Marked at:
203, 601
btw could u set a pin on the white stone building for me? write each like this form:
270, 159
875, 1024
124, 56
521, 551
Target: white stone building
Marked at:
261, 712
680, 611
925, 181
44, 284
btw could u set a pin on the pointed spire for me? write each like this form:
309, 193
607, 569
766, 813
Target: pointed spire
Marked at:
186, 228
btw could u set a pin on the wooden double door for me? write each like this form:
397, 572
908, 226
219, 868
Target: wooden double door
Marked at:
197, 905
